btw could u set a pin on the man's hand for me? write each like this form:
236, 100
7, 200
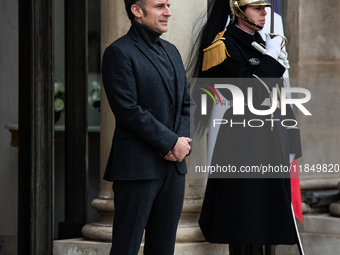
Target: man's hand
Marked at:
170, 156
181, 148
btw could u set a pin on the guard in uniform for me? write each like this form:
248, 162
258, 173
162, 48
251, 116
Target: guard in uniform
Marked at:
250, 214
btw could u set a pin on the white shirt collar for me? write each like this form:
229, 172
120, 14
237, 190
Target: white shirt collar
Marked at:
244, 30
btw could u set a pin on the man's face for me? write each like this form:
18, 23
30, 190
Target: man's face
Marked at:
256, 13
156, 16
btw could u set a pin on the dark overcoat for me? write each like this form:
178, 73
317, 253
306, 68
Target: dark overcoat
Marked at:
149, 115
251, 210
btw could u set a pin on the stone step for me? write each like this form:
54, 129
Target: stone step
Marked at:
86, 247
320, 234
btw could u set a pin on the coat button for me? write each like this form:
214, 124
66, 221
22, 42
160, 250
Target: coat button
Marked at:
171, 107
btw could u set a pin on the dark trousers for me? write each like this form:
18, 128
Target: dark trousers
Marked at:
249, 249
151, 205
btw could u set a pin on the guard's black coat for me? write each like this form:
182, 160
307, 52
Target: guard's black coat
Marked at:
252, 210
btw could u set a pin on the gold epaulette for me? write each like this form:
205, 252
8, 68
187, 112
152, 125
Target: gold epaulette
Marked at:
215, 54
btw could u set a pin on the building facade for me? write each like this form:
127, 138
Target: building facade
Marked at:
313, 32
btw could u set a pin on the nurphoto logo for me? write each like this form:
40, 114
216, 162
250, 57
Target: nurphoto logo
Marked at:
238, 100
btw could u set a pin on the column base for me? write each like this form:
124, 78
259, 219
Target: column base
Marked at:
101, 230
103, 233
98, 232
188, 229
334, 209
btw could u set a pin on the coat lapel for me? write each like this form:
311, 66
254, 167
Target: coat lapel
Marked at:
177, 66
141, 45
173, 56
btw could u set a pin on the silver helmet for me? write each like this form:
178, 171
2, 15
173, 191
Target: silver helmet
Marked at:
235, 9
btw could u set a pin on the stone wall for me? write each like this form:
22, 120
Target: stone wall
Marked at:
314, 54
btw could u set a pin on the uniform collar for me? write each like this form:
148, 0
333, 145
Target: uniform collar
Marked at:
242, 36
244, 30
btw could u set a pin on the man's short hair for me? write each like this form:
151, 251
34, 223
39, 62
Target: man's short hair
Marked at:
129, 3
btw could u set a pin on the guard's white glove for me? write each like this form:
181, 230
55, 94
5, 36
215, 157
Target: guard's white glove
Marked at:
273, 46
282, 55
284, 59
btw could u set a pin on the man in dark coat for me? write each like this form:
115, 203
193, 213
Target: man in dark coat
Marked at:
146, 86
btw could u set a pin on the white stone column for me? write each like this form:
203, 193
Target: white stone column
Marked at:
114, 24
